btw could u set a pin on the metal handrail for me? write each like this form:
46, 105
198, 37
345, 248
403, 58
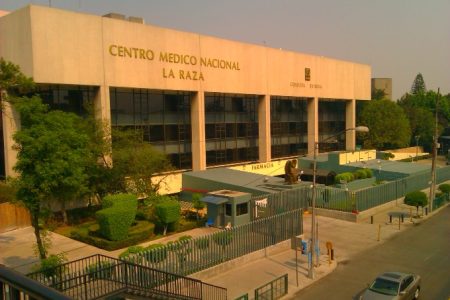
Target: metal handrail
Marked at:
98, 275
20, 284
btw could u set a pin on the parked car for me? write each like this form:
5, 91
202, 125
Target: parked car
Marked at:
393, 286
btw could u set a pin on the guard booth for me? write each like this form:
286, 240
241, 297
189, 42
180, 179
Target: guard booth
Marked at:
227, 208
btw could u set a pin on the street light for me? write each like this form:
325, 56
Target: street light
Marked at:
313, 196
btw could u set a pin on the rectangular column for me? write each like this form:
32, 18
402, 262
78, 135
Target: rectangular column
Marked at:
11, 123
350, 122
264, 144
313, 124
102, 112
198, 131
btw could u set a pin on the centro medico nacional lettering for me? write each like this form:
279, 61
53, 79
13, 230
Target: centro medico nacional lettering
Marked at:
175, 58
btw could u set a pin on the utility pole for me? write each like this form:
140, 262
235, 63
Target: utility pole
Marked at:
434, 155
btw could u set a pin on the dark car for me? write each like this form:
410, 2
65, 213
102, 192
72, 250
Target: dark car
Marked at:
393, 286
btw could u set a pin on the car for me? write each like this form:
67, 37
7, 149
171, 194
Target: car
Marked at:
393, 286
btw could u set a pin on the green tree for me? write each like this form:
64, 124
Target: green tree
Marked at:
420, 110
378, 94
168, 212
51, 158
197, 203
418, 86
416, 198
12, 81
134, 163
389, 127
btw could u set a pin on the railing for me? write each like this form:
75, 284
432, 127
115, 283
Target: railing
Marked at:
100, 276
273, 290
196, 254
14, 285
439, 201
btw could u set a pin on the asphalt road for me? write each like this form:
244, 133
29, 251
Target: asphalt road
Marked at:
423, 249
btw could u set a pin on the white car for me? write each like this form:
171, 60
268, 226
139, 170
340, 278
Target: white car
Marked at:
393, 286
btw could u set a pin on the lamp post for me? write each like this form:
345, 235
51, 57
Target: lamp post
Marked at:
313, 197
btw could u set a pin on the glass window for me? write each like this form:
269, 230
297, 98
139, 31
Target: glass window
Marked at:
241, 209
228, 210
164, 118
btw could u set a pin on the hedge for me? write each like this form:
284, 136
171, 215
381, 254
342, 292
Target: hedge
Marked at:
444, 188
346, 176
137, 233
117, 215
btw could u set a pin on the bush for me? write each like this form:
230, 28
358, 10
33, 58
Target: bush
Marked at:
369, 172
88, 233
51, 266
346, 176
360, 174
131, 250
155, 253
100, 270
7, 193
223, 238
444, 188
168, 212
202, 243
117, 215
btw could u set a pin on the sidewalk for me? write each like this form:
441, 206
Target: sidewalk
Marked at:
348, 239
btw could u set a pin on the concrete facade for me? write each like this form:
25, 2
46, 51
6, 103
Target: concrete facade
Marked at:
62, 47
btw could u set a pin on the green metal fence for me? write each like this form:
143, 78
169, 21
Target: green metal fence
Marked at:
342, 200
273, 290
441, 200
196, 254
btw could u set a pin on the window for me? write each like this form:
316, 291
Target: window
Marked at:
406, 282
241, 209
228, 210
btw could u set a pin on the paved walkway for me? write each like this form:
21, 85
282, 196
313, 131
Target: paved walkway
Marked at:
16, 251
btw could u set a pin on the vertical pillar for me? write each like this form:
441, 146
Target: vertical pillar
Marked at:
313, 124
102, 112
11, 123
264, 145
198, 131
350, 122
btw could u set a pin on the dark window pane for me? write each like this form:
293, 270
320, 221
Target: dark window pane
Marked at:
241, 209
228, 211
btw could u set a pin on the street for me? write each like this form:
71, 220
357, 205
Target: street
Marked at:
423, 249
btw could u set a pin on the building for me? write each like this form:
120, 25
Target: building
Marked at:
203, 100
383, 84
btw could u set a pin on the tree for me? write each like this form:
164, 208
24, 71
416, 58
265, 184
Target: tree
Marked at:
378, 94
168, 212
51, 158
134, 163
420, 110
416, 198
12, 81
389, 127
197, 203
418, 86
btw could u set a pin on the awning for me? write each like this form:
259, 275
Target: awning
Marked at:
215, 200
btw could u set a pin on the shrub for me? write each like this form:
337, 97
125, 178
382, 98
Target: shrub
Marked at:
155, 253
7, 193
223, 238
346, 176
369, 172
100, 270
139, 232
51, 266
416, 198
117, 215
168, 212
202, 243
131, 250
360, 174
444, 188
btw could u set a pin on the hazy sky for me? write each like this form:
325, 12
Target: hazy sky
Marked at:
398, 38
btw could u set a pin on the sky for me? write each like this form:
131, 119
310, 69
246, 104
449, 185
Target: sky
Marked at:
397, 38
